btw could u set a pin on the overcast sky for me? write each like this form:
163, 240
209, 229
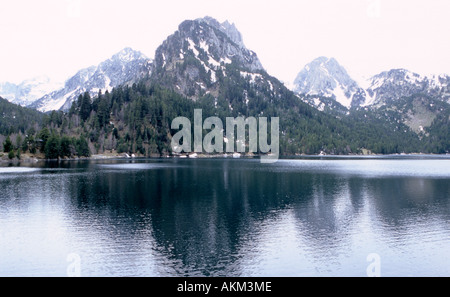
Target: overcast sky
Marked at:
59, 37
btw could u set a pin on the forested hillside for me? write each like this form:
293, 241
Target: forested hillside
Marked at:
136, 120
14, 118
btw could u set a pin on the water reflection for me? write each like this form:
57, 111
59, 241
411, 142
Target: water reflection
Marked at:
231, 217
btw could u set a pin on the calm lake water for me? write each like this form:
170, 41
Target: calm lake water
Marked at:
227, 217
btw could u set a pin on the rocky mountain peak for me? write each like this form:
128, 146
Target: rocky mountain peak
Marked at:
326, 77
207, 35
199, 52
128, 54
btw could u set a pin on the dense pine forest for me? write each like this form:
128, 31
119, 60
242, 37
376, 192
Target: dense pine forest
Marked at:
136, 120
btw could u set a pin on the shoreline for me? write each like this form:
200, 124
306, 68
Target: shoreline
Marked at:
32, 159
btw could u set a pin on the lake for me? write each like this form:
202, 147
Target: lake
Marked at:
327, 216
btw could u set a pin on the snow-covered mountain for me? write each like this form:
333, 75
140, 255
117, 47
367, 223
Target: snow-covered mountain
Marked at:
397, 96
127, 66
326, 77
29, 90
8, 91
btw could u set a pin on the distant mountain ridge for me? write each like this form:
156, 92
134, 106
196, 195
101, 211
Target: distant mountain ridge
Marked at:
127, 66
398, 83
397, 96
28, 90
214, 47
326, 77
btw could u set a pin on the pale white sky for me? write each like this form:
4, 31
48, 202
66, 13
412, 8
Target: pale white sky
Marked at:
59, 37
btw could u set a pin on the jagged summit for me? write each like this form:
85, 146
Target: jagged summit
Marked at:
197, 55
229, 29
218, 41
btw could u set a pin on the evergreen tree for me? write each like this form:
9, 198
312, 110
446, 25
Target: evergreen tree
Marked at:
7, 145
11, 155
66, 147
18, 142
83, 147
43, 137
103, 113
85, 106
53, 147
